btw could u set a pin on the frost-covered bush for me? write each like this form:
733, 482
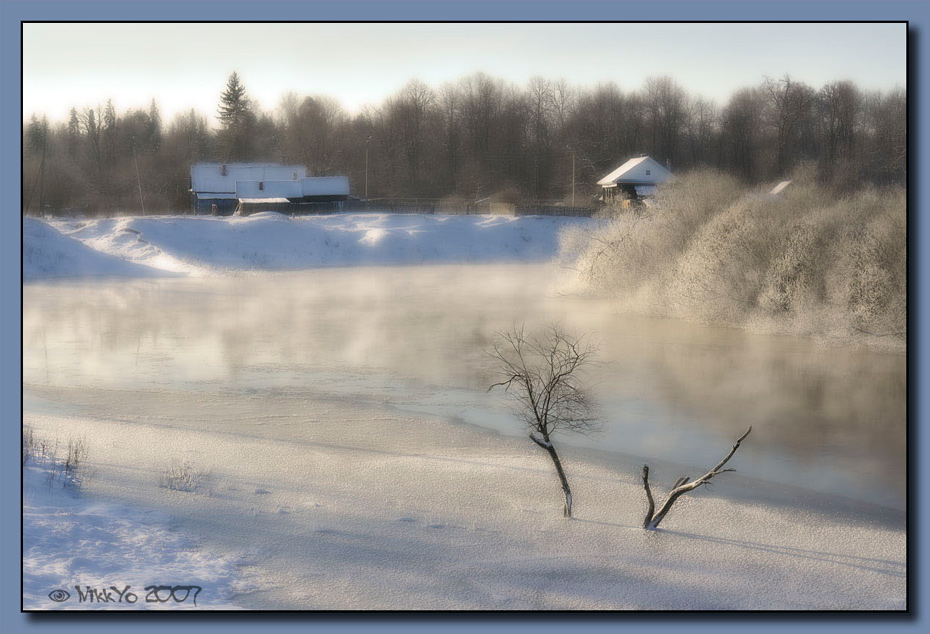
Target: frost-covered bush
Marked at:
708, 250
63, 465
75, 457
29, 445
183, 476
876, 293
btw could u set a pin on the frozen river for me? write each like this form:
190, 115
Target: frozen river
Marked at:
415, 339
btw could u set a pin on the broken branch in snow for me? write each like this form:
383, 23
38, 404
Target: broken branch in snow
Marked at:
681, 487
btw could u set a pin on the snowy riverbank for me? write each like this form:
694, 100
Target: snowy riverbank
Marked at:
336, 504
320, 423
135, 246
82, 553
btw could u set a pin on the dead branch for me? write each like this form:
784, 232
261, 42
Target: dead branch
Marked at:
682, 486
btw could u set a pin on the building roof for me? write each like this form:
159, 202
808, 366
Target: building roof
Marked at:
779, 188
264, 201
209, 177
644, 170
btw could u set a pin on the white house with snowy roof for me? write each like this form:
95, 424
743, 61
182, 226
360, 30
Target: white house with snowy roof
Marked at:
220, 187
637, 178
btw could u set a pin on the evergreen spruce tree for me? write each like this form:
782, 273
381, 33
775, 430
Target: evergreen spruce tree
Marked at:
74, 133
236, 117
153, 128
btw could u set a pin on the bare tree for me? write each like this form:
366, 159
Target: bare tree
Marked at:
541, 374
789, 103
681, 486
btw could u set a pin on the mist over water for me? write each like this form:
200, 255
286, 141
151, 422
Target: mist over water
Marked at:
829, 419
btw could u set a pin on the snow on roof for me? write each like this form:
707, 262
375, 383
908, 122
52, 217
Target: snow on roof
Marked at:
210, 177
643, 170
779, 188
263, 201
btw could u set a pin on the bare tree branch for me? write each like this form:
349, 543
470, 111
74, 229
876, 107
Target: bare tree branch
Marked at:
682, 486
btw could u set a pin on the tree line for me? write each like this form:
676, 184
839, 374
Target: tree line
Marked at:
474, 138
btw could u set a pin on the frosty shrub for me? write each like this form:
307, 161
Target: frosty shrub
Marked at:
183, 476
74, 460
29, 445
63, 465
629, 254
708, 250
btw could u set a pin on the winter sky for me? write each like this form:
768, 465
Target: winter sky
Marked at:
185, 66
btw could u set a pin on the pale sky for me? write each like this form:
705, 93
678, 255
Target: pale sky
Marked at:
186, 66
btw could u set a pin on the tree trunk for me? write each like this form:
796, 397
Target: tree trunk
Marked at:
547, 445
567, 511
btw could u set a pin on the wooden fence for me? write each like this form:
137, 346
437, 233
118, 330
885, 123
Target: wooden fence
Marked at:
437, 206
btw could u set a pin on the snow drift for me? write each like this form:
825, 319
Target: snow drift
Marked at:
273, 241
47, 253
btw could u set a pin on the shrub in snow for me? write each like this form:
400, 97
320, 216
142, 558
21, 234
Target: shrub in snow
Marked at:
65, 466
183, 476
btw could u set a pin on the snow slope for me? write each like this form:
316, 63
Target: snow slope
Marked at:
71, 539
272, 241
47, 253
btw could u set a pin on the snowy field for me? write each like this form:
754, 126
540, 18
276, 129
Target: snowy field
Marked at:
342, 454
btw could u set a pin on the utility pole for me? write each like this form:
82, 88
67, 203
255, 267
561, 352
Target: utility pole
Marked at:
573, 178
367, 143
138, 178
570, 149
42, 176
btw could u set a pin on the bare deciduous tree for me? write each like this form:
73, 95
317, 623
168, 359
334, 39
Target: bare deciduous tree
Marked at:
681, 486
541, 374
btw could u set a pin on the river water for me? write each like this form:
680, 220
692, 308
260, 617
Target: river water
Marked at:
416, 338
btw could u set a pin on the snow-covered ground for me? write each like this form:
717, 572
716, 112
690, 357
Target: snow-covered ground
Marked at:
305, 496
82, 553
329, 503
49, 254
273, 241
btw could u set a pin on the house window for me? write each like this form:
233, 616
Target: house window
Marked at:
224, 170
261, 185
648, 172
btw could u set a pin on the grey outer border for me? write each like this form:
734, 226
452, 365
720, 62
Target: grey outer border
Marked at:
13, 12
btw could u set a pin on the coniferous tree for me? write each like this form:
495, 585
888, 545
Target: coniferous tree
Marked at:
236, 118
153, 128
74, 133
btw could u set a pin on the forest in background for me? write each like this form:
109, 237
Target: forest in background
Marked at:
468, 140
